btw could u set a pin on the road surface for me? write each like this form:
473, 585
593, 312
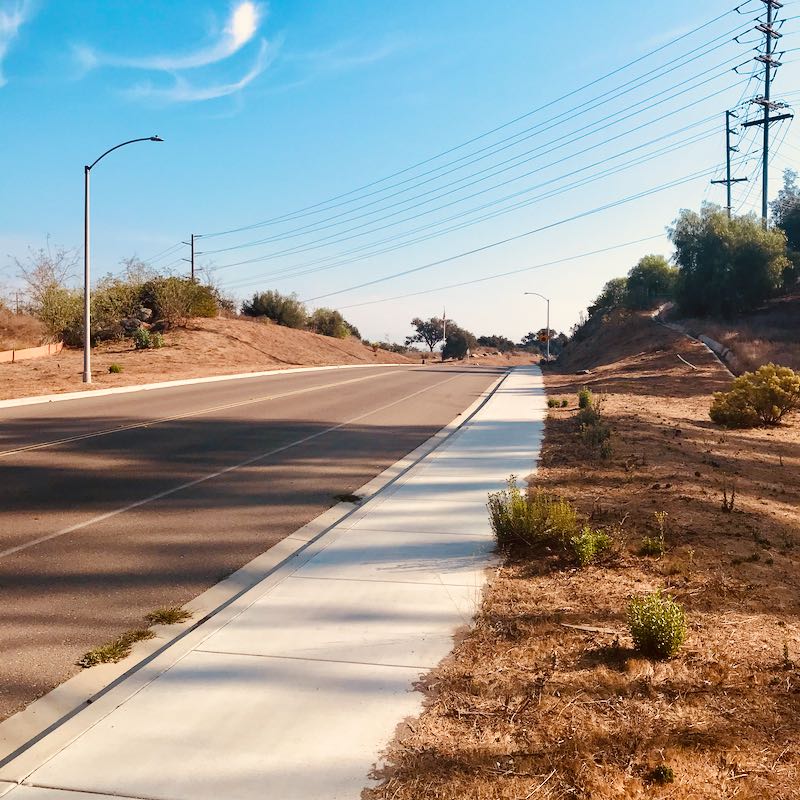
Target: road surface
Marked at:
113, 506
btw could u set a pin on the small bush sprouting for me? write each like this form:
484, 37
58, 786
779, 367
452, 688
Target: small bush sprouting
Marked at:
662, 774
585, 397
656, 545
552, 402
115, 368
535, 518
657, 625
141, 339
144, 339
589, 544
564, 403
762, 397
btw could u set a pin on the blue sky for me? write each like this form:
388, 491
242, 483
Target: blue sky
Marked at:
267, 109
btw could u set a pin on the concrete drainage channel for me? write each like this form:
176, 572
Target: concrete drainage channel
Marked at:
295, 671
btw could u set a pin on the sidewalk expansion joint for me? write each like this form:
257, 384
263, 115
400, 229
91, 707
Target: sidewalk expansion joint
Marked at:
440, 584
89, 792
424, 667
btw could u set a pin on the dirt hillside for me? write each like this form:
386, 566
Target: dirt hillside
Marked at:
205, 347
769, 334
545, 697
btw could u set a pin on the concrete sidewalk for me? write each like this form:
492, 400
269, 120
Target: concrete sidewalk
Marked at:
292, 691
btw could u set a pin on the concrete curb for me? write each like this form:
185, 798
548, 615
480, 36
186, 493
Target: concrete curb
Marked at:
722, 354
146, 387
47, 717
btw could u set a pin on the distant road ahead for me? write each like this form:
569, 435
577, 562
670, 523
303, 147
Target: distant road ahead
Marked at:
113, 506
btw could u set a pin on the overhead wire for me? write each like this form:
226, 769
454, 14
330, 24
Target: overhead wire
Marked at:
293, 272
515, 237
600, 125
506, 274
484, 135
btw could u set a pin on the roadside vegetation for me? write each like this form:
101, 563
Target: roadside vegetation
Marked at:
121, 646
641, 636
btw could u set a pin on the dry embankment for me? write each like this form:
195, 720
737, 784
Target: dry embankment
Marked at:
529, 707
769, 334
204, 347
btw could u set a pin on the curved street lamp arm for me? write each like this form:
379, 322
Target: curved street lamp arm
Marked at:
116, 147
539, 295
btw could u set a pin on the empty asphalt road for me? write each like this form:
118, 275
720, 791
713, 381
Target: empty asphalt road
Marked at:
113, 506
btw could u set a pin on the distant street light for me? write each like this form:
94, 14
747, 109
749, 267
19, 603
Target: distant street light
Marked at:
547, 300
87, 312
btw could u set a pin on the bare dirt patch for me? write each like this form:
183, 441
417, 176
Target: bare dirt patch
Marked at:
544, 697
205, 347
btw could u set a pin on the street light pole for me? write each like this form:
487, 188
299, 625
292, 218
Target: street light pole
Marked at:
547, 300
87, 296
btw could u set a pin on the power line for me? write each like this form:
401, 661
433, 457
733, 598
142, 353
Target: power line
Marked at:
484, 135
332, 240
614, 118
516, 237
497, 275
538, 198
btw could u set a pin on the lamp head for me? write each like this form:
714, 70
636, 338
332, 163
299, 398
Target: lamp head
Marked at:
156, 139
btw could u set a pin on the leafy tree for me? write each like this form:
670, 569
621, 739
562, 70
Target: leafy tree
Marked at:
286, 310
726, 265
328, 322
352, 330
496, 342
650, 280
613, 295
786, 215
459, 342
430, 331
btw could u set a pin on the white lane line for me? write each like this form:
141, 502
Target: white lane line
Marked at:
189, 484
146, 424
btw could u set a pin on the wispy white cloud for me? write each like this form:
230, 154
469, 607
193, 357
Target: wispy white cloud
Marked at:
240, 29
13, 15
183, 91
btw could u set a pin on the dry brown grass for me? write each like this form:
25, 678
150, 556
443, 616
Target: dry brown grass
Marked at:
18, 331
771, 335
527, 707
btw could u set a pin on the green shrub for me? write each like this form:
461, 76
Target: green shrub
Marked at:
762, 397
156, 340
286, 310
175, 300
115, 369
564, 403
552, 402
657, 625
328, 322
594, 430
589, 544
534, 518
61, 311
141, 339
585, 397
